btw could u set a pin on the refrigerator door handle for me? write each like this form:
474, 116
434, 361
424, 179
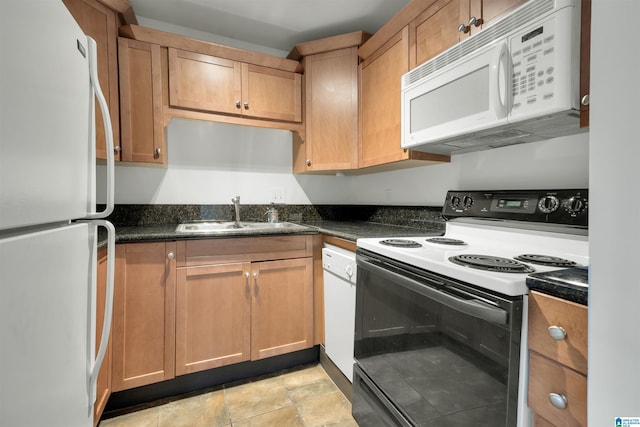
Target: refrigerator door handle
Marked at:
108, 310
108, 130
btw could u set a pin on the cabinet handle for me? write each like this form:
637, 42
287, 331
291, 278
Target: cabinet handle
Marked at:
171, 255
246, 105
558, 400
246, 275
464, 28
255, 275
238, 103
557, 332
157, 152
585, 100
308, 162
476, 22
117, 149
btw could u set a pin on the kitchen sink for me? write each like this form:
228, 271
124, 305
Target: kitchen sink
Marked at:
231, 227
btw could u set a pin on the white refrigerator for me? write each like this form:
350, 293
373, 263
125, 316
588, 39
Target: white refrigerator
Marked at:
48, 219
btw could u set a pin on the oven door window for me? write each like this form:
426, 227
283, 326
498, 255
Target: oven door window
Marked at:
437, 363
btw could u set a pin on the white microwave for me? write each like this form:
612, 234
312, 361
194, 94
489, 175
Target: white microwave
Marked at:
514, 82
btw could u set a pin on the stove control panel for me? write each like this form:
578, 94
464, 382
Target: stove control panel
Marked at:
569, 207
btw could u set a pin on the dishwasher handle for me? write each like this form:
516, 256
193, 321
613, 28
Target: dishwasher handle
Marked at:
472, 307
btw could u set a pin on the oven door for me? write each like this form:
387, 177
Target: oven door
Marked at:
431, 351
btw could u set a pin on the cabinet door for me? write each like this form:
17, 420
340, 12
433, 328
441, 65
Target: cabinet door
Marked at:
282, 307
271, 94
103, 384
488, 10
380, 103
331, 114
213, 316
144, 314
203, 82
141, 102
436, 30
100, 22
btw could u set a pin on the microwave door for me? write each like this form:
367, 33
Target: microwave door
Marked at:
469, 95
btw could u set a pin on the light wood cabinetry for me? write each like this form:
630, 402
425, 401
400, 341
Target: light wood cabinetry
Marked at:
220, 85
141, 102
144, 314
446, 22
101, 23
242, 299
557, 361
103, 383
380, 87
331, 112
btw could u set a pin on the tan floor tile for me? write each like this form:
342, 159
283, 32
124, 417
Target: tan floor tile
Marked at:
283, 417
329, 410
304, 392
206, 410
304, 376
144, 418
248, 400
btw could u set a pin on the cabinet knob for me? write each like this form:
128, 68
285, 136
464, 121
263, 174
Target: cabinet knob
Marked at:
157, 152
238, 103
117, 149
308, 162
558, 400
585, 100
246, 275
476, 22
171, 255
246, 105
255, 275
464, 28
557, 332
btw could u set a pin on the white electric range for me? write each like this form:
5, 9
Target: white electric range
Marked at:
441, 323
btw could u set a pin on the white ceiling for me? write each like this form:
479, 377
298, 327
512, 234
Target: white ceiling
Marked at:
279, 24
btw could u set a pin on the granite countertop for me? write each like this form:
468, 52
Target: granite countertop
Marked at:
571, 284
348, 230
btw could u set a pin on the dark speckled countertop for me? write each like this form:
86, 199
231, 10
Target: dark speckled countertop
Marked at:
571, 284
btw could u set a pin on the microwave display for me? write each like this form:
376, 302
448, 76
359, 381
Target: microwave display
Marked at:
532, 34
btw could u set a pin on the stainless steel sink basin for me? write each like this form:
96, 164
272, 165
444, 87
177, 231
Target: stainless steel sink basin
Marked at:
230, 227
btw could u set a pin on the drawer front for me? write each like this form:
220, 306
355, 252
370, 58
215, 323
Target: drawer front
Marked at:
546, 377
243, 249
546, 311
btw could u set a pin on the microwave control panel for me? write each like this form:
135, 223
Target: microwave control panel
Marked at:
533, 55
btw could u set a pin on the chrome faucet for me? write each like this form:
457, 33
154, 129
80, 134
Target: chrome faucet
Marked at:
236, 203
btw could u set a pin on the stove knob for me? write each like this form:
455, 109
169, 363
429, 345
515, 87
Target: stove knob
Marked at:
548, 204
575, 206
455, 202
467, 202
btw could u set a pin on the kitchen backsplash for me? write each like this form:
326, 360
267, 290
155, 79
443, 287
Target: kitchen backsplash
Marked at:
428, 218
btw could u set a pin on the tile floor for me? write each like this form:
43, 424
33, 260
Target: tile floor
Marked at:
304, 398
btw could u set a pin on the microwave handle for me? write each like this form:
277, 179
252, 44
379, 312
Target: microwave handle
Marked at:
502, 80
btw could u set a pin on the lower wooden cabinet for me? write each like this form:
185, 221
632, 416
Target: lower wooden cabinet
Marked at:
557, 361
192, 305
242, 299
144, 314
103, 384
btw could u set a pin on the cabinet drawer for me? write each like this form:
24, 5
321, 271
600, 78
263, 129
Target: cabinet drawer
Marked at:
546, 311
243, 249
547, 376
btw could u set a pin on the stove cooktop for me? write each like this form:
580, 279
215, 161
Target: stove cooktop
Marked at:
498, 258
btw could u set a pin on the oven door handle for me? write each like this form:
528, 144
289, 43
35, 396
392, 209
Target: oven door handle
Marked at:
473, 307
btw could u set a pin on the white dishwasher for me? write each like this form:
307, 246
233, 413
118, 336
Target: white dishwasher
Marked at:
339, 306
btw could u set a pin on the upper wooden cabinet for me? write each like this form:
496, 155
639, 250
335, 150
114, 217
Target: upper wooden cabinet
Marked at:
380, 86
219, 85
101, 23
141, 102
446, 22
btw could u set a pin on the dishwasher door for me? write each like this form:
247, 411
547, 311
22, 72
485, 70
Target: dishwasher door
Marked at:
339, 306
